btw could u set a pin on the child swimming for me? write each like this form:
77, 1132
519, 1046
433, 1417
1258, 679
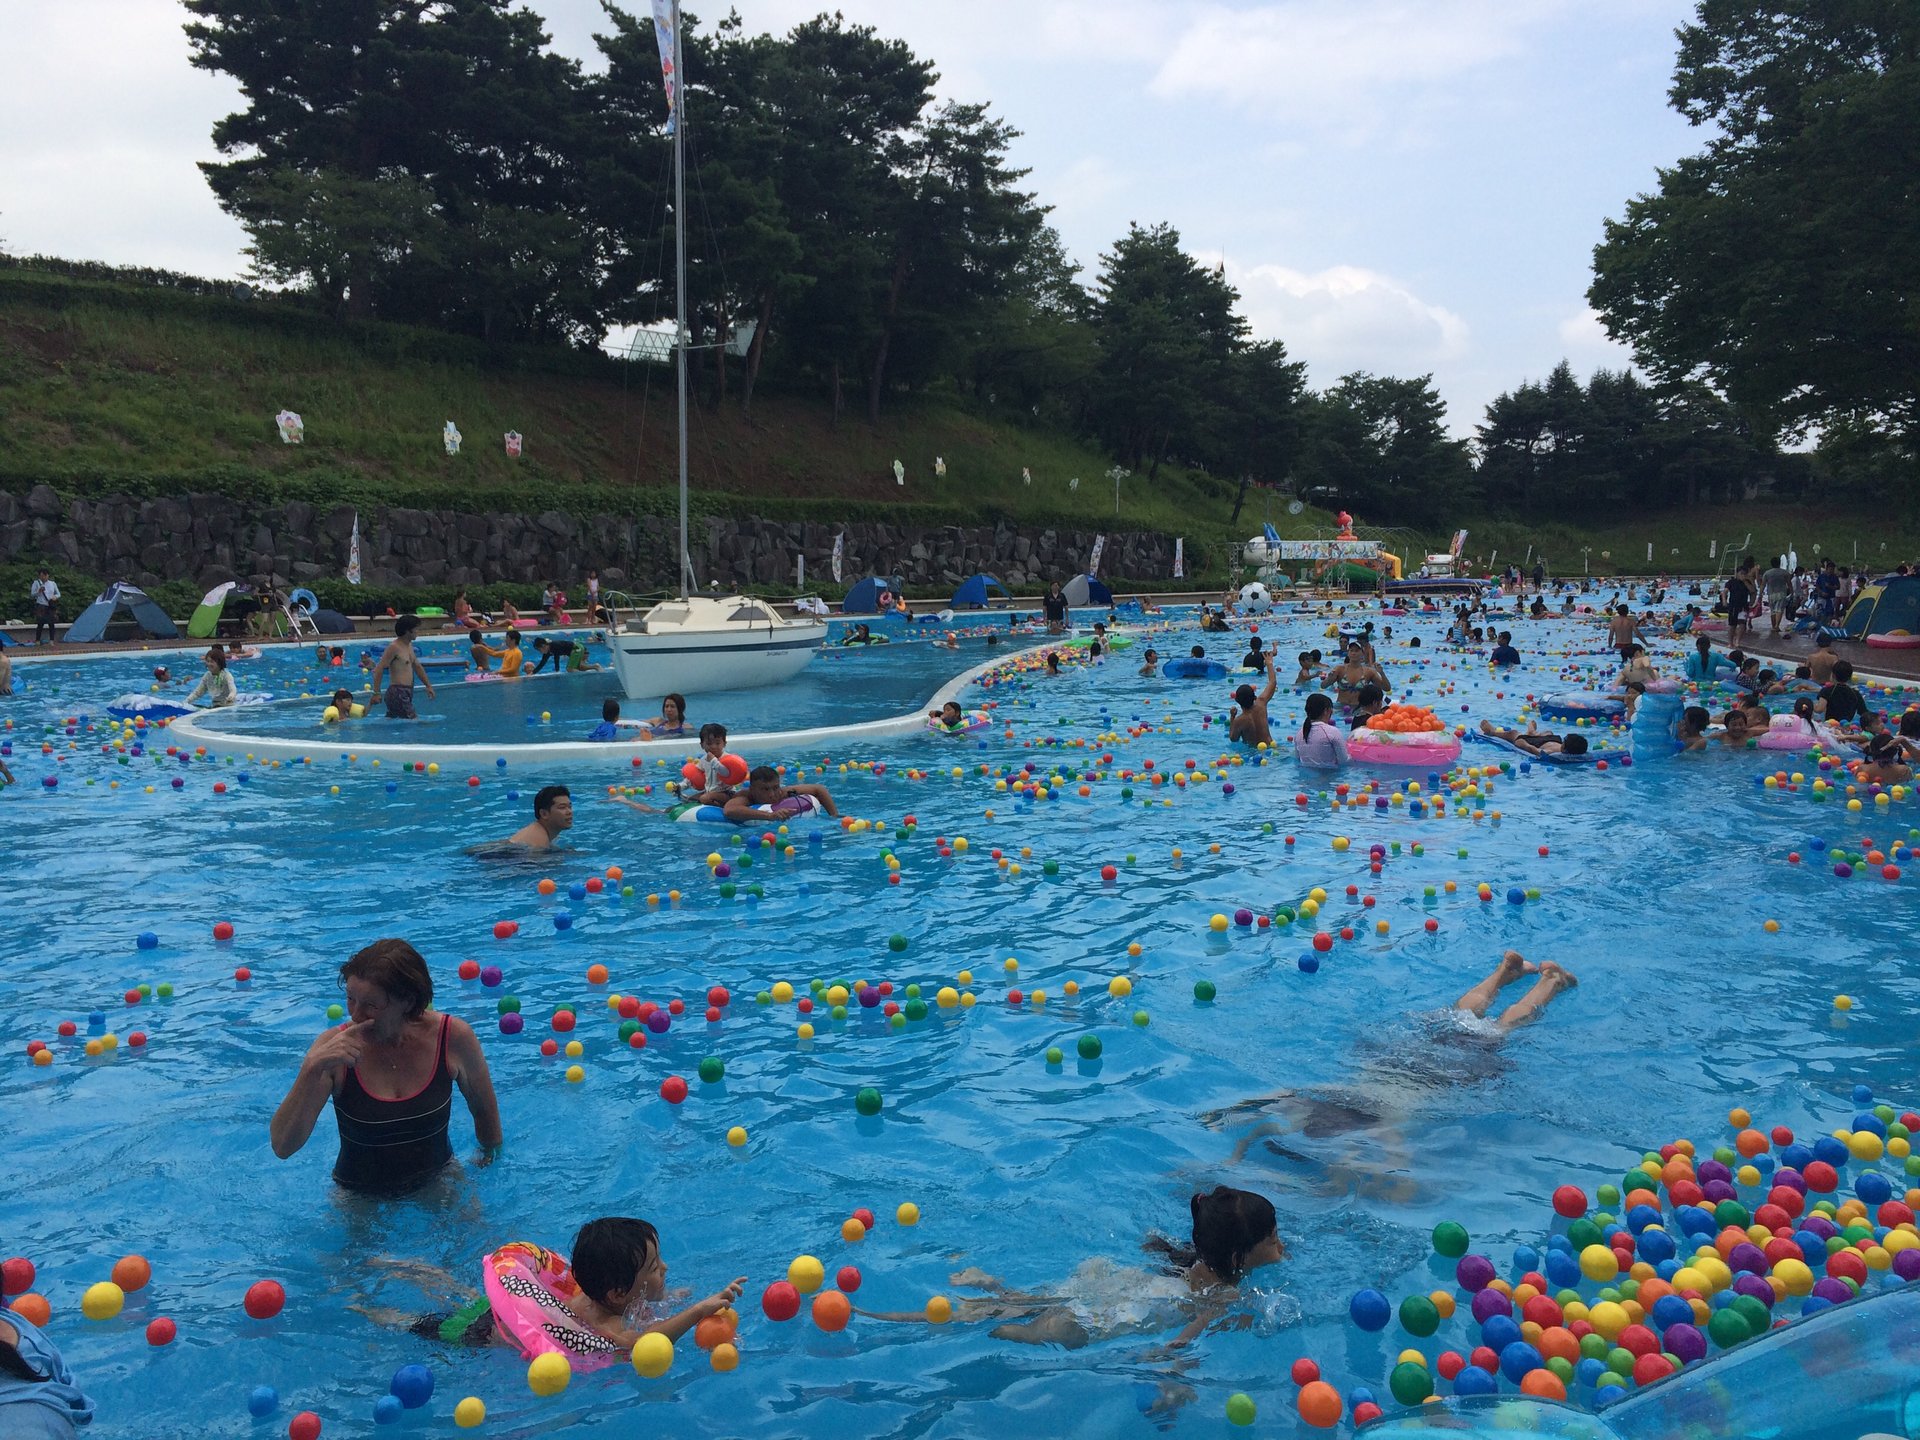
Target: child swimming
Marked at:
1235, 1232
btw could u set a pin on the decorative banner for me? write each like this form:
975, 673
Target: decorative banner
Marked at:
1180, 558
1093, 560
1459, 544
899, 473
939, 464
451, 436
1649, 552
800, 571
513, 444
353, 552
292, 428
1328, 549
1026, 474
663, 18
839, 554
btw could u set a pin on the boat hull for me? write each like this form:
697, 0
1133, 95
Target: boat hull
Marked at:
650, 665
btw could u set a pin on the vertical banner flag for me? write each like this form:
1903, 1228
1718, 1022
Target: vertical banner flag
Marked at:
663, 18
800, 571
1093, 560
353, 552
839, 554
1180, 558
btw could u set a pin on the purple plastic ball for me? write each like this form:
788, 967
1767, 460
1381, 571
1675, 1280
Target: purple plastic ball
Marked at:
1718, 1190
511, 1023
1838, 1291
1685, 1343
1713, 1170
1791, 1178
869, 996
1906, 1264
1758, 1288
1748, 1258
1475, 1272
658, 1021
722, 871
1821, 1226
1243, 917
1489, 1303
490, 975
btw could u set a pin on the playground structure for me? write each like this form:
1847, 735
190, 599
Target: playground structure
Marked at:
1343, 557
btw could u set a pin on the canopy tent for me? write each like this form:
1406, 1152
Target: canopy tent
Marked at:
7, 640
205, 620
93, 621
972, 594
1085, 590
1890, 603
864, 597
332, 622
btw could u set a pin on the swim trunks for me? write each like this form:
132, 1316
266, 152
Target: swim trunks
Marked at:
400, 703
471, 1324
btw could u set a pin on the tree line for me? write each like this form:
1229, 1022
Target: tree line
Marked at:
435, 162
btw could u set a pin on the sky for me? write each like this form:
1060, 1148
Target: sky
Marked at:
1406, 187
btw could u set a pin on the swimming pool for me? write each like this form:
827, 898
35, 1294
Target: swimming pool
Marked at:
1653, 884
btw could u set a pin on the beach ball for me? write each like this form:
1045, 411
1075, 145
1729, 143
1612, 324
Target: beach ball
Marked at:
1255, 599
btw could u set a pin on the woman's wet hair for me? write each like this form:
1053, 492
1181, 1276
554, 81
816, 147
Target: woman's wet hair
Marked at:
1318, 708
397, 968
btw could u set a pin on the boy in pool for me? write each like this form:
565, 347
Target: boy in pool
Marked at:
618, 1274
1309, 673
1691, 729
1235, 1232
1884, 765
765, 798
1249, 722
1537, 741
715, 789
1151, 668
949, 716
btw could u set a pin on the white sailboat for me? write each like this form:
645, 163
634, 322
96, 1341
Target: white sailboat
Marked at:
702, 642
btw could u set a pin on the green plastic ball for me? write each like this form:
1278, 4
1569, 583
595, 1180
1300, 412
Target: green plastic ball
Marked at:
1241, 1409
1728, 1328
713, 1069
509, 1005
1450, 1239
1089, 1047
915, 1009
867, 1100
896, 943
1203, 990
1418, 1315
1410, 1383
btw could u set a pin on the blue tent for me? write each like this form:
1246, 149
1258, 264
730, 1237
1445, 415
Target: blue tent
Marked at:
6, 640
864, 598
972, 594
93, 621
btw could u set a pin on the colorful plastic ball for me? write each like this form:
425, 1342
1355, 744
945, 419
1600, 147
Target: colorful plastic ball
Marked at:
1241, 1409
412, 1385
304, 1426
16, 1275
724, 1357
132, 1272
1570, 1202
1419, 1316
1319, 1405
549, 1374
161, 1331
832, 1310
653, 1355
1204, 991
1369, 1310
147, 940
102, 1301
908, 1213
780, 1301
867, 1101
1475, 1381
1474, 1272
1450, 1239
470, 1412
34, 1308
1089, 1047
1304, 1371
264, 1299
806, 1274
387, 1410
673, 1089
262, 1400
713, 1070
1598, 1263
1410, 1383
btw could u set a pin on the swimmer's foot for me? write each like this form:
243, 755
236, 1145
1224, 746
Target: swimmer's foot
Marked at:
1552, 981
1562, 979
1480, 998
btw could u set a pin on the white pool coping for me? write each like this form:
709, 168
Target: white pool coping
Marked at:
618, 754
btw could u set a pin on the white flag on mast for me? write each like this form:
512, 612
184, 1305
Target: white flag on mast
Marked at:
1179, 558
663, 18
839, 554
1093, 560
353, 552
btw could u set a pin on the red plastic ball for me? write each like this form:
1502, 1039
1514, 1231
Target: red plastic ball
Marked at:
505, 929
1450, 1363
673, 1089
137, 1039
223, 930
243, 975
1487, 1358
719, 998
1109, 874
676, 1007
848, 1278
1570, 1202
1651, 1367
780, 1301
1305, 1372
563, 1020
1366, 1410
160, 1331
1821, 1177
637, 1040
549, 1046
264, 1299
68, 1029
304, 1426
469, 969
16, 1275
1323, 942
1638, 1340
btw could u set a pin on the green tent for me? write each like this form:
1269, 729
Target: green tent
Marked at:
206, 618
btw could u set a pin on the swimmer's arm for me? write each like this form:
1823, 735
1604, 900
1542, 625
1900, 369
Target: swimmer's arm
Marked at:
292, 1124
674, 1326
476, 1085
635, 805
1273, 684
386, 658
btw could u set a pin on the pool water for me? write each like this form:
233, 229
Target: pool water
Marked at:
1654, 882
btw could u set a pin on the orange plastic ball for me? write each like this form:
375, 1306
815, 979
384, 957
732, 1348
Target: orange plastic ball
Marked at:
132, 1272
832, 1310
1319, 1404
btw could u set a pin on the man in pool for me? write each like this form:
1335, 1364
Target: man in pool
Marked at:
1537, 742
552, 816
1151, 668
765, 798
1249, 723
399, 662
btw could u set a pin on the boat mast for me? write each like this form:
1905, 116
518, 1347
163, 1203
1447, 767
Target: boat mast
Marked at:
680, 272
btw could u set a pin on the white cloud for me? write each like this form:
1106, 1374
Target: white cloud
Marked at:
1586, 344
1346, 65
1347, 318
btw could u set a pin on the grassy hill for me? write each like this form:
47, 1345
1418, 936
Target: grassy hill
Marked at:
110, 385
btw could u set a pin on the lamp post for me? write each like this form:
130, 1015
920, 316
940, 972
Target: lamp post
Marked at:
1117, 474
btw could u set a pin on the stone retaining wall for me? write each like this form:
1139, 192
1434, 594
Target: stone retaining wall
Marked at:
212, 538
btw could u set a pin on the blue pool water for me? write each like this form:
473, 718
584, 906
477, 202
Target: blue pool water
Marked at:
1653, 889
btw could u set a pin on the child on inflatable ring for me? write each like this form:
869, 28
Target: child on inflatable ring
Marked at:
713, 772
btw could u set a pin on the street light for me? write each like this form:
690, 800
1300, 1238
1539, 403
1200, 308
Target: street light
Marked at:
1117, 474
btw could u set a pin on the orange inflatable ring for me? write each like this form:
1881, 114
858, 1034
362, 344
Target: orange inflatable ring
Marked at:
732, 767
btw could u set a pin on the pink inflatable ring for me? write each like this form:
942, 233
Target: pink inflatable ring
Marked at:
1433, 749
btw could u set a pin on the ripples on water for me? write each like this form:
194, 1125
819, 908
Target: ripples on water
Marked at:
1653, 892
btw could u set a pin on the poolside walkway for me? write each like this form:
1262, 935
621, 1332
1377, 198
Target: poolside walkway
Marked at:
1794, 650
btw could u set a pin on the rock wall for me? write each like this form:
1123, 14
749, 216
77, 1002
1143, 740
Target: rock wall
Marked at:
213, 538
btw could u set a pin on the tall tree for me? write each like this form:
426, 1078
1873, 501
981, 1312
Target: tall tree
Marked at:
1379, 445
1779, 265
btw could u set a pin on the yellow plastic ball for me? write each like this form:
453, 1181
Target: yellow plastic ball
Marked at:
724, 1357
1843, 1002
575, 1074
1119, 987
1133, 949
806, 1274
737, 1136
1219, 922
1598, 1264
549, 1374
470, 1412
1772, 927
782, 992
1795, 1275
907, 1214
805, 1032
1866, 1145
1609, 1319
653, 1355
102, 1301
575, 1049
853, 1230
939, 1310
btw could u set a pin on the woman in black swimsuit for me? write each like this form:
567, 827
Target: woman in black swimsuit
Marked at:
390, 1073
